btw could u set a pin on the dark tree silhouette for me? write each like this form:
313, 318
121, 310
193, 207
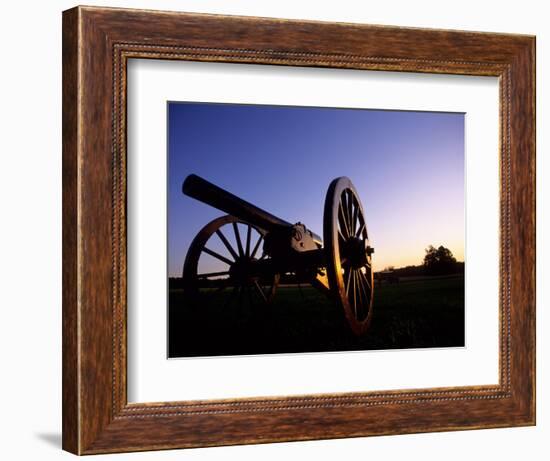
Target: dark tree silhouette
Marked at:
439, 261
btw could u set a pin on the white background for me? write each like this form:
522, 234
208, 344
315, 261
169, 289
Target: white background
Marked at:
30, 235
153, 378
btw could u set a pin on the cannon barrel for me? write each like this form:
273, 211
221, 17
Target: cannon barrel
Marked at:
204, 191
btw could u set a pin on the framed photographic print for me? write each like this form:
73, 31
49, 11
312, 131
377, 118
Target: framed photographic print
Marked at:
281, 230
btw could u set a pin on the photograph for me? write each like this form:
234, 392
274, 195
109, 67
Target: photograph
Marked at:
297, 229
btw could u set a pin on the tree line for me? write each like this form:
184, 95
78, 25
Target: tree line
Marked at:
437, 261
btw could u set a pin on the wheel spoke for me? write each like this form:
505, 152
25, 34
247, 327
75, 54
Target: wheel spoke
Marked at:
248, 235
256, 247
367, 283
360, 231
354, 292
354, 221
238, 239
347, 279
349, 210
260, 290
342, 221
363, 294
359, 295
344, 204
344, 201
217, 256
341, 236
227, 244
368, 293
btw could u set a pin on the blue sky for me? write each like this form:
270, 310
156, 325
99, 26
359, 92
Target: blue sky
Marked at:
408, 168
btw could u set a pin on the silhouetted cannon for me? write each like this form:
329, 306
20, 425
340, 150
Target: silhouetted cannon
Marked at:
341, 267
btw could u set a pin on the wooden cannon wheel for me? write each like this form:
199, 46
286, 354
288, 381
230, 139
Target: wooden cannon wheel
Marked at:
235, 259
348, 254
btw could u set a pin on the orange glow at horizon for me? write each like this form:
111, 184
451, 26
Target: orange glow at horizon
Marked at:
401, 257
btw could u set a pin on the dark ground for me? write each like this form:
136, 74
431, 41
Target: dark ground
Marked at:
415, 313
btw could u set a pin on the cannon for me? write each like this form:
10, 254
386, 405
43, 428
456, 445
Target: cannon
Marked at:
340, 264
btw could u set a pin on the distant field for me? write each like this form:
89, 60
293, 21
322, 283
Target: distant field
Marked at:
416, 313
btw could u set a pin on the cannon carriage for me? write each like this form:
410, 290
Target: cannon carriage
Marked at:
339, 264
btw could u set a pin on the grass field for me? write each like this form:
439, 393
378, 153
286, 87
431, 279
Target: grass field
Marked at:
417, 313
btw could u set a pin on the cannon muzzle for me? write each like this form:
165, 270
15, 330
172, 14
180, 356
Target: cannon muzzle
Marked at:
206, 192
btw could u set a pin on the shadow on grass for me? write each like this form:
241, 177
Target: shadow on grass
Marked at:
420, 313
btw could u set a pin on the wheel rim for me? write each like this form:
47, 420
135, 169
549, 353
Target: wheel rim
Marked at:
349, 254
235, 246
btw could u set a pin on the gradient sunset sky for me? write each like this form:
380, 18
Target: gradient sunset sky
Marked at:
408, 168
